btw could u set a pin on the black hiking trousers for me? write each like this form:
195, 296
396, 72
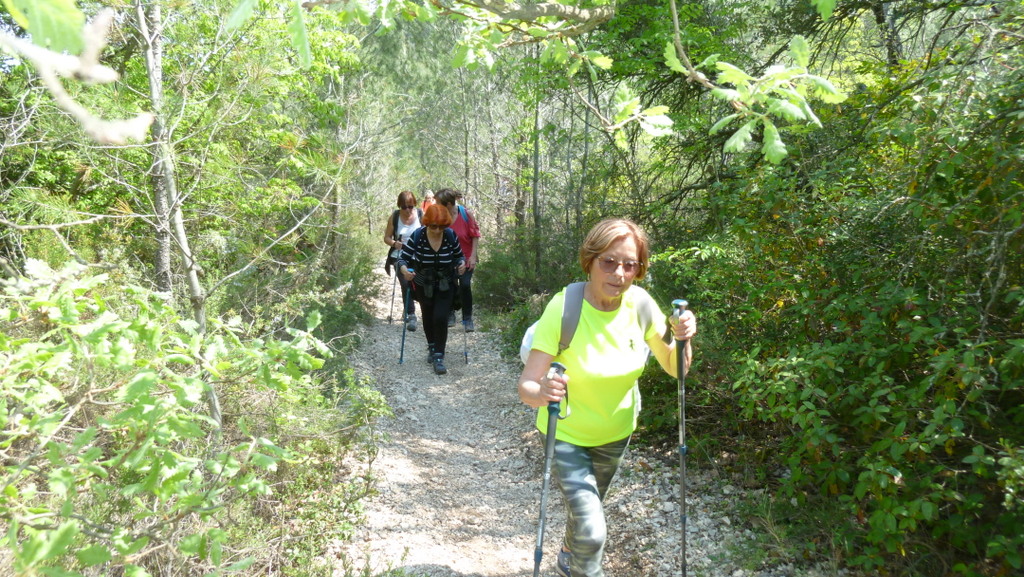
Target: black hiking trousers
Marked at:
435, 317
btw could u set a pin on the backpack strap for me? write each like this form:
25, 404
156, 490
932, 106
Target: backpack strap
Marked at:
572, 308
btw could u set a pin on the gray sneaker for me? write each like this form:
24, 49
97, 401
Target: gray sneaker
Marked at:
451, 319
439, 367
470, 327
562, 563
410, 323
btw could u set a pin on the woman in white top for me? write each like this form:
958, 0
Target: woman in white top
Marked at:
402, 223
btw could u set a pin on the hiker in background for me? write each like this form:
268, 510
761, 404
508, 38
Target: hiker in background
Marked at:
436, 260
428, 199
468, 232
402, 223
605, 358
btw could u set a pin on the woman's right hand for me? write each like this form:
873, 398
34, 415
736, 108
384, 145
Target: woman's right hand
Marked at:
535, 388
408, 275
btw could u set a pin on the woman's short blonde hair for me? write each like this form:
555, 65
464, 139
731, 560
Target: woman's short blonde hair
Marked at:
606, 233
437, 214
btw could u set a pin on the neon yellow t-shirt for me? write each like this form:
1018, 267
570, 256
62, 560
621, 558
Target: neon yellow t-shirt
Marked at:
604, 360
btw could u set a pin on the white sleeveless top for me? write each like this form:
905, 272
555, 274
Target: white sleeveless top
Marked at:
406, 230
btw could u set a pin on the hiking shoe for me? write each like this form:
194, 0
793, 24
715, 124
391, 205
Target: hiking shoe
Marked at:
439, 368
451, 319
470, 327
410, 323
562, 563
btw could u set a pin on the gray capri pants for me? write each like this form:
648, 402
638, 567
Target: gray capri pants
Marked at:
584, 474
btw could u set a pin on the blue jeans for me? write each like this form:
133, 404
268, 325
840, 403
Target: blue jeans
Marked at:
584, 474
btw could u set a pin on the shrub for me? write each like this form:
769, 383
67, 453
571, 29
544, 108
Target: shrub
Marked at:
113, 458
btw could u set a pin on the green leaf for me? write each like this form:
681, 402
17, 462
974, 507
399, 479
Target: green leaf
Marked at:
656, 111
786, 109
463, 56
672, 59
825, 8
94, 555
313, 320
824, 90
138, 386
192, 544
300, 40
625, 102
738, 141
709, 61
727, 94
241, 13
239, 565
54, 24
656, 125
722, 123
773, 148
264, 461
730, 74
800, 51
135, 571
59, 540
601, 61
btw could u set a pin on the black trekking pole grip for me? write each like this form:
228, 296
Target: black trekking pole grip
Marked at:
680, 307
554, 408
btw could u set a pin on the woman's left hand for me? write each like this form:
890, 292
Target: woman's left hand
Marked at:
686, 328
461, 269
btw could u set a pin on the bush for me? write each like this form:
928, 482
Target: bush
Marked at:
113, 457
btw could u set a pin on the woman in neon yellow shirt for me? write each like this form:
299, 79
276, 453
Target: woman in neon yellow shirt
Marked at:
603, 361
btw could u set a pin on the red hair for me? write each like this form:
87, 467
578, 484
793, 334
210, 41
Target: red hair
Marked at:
437, 214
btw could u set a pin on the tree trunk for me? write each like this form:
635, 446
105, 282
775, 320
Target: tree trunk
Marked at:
893, 46
170, 223
536, 188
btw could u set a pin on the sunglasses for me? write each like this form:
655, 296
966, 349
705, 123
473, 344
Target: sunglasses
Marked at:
410, 207
610, 265
436, 226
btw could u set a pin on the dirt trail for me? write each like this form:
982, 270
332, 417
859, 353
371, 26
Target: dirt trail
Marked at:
459, 471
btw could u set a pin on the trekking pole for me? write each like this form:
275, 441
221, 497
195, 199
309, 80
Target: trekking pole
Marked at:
465, 334
680, 306
554, 408
391, 312
408, 294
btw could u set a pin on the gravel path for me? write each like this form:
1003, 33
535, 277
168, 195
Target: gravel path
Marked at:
460, 473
